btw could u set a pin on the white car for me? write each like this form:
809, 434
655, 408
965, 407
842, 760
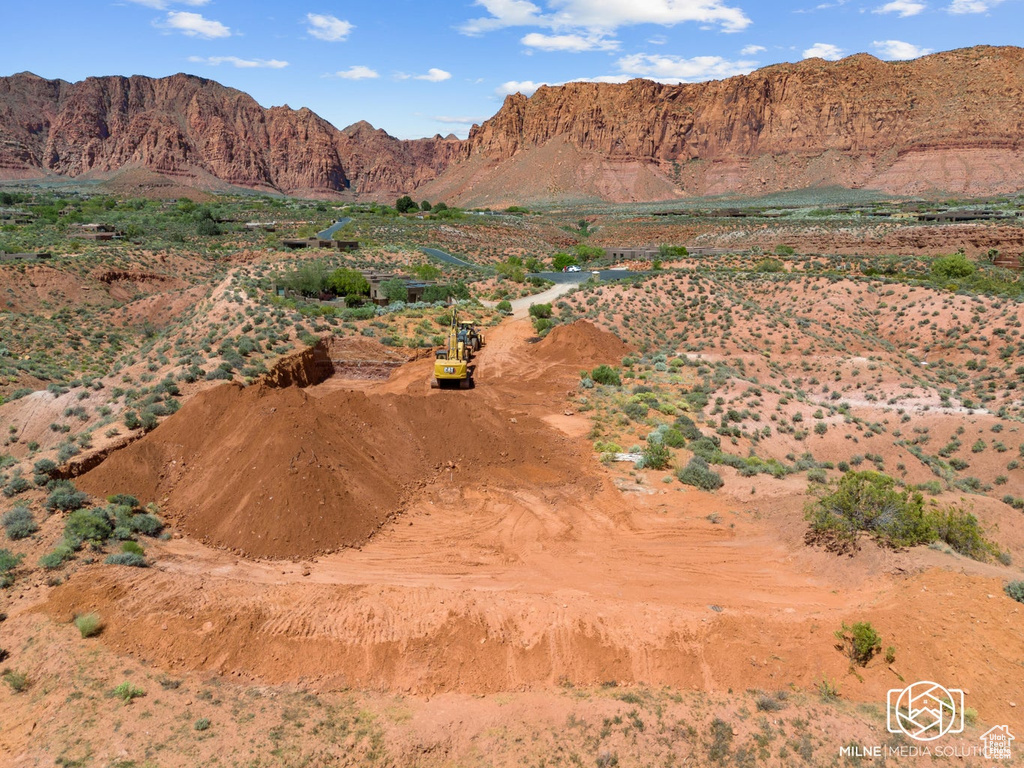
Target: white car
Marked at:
573, 268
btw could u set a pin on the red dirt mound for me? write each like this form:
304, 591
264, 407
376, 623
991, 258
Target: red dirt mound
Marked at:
276, 473
581, 344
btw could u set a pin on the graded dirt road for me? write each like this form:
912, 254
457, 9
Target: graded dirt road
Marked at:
503, 557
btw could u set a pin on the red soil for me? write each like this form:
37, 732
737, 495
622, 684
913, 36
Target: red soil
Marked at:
275, 473
581, 343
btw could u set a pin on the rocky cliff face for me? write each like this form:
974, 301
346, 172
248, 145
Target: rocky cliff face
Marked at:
188, 126
952, 122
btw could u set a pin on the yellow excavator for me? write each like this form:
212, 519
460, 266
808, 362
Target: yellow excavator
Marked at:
452, 363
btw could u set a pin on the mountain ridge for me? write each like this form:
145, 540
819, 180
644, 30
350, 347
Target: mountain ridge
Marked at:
946, 122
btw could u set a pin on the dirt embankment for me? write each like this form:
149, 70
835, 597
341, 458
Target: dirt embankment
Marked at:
273, 472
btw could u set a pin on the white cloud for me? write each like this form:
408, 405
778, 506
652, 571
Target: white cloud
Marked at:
356, 72
214, 61
676, 69
195, 25
825, 51
329, 28
903, 7
604, 15
570, 43
897, 49
161, 5
434, 75
750, 50
525, 87
972, 6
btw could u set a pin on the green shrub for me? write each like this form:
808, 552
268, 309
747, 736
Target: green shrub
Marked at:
540, 310
655, 456
504, 306
1015, 590
60, 554
861, 642
126, 692
127, 558
202, 724
605, 374
65, 497
133, 547
145, 523
956, 265
8, 562
19, 523
769, 265
673, 438
698, 474
18, 681
871, 502
817, 475
962, 532
87, 525
88, 624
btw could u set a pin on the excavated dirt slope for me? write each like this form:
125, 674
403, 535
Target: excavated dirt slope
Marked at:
581, 343
275, 473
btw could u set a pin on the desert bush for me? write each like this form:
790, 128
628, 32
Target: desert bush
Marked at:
956, 265
19, 523
87, 525
769, 265
8, 562
88, 624
860, 642
504, 306
18, 681
817, 475
605, 374
17, 484
1015, 590
65, 497
42, 470
540, 310
202, 724
698, 474
655, 456
133, 547
126, 692
54, 559
871, 502
127, 558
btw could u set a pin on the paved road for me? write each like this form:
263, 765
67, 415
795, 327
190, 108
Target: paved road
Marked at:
447, 258
328, 233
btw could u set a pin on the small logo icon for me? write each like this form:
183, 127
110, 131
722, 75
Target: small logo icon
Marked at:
997, 743
926, 711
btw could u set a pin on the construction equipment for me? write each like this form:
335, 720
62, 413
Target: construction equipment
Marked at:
472, 337
452, 363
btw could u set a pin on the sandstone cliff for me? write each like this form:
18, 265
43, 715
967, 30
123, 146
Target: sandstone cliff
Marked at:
188, 126
950, 122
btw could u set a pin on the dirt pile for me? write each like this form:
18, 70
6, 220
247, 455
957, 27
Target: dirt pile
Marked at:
581, 344
276, 473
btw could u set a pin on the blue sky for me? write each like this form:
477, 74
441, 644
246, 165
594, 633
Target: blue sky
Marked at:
416, 68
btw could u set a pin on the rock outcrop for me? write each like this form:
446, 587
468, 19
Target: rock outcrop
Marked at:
188, 126
950, 122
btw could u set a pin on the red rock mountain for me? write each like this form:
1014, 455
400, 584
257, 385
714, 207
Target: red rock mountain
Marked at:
949, 122
187, 126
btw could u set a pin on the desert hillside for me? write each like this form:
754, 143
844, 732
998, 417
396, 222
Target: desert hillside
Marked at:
949, 122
